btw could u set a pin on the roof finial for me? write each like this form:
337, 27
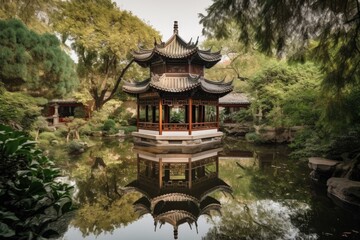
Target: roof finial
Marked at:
176, 31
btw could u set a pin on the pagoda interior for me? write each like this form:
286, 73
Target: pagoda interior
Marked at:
177, 105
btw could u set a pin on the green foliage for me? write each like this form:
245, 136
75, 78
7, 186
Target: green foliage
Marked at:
253, 137
103, 36
308, 143
76, 147
19, 109
33, 62
123, 116
177, 116
243, 115
284, 28
30, 196
109, 125
286, 95
33, 13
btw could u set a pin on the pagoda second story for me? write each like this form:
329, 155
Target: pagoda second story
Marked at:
177, 105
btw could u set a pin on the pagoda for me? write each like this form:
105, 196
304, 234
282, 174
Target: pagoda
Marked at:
177, 105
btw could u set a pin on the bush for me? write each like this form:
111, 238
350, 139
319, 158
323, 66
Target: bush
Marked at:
109, 124
30, 197
253, 137
49, 136
76, 147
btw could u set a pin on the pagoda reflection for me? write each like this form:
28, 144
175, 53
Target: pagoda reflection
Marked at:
176, 187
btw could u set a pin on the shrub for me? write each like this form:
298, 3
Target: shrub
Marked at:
75, 147
253, 137
49, 136
30, 197
109, 124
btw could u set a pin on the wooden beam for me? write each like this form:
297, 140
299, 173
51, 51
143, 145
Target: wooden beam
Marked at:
190, 116
160, 116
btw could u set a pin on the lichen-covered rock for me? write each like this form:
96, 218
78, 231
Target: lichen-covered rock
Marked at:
345, 189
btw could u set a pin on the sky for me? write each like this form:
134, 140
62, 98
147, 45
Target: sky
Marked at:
161, 14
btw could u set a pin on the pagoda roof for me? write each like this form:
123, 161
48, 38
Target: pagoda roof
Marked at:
169, 82
234, 99
176, 48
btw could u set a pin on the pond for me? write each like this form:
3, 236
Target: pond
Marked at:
238, 192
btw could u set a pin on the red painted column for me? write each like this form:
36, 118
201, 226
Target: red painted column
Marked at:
190, 116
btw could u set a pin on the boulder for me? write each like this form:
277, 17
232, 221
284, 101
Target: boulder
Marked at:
322, 168
322, 164
344, 189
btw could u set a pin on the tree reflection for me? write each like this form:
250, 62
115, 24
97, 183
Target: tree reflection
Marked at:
103, 205
263, 219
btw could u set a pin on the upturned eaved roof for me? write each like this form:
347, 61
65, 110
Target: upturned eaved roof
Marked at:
176, 48
168, 82
234, 99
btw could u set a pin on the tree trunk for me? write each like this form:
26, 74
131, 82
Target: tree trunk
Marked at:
100, 99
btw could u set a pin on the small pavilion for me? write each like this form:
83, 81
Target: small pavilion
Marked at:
177, 105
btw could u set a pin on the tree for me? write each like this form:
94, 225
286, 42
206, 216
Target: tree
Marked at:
34, 63
286, 95
330, 29
102, 37
33, 13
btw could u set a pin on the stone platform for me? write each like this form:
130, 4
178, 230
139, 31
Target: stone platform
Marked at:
177, 138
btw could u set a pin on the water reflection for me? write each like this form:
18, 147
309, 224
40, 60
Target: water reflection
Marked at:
272, 195
176, 187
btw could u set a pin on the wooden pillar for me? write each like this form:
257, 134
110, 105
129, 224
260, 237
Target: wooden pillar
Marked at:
190, 116
160, 116
160, 173
190, 174
137, 113
217, 116
147, 113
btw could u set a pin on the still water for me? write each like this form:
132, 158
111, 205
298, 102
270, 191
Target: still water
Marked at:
238, 192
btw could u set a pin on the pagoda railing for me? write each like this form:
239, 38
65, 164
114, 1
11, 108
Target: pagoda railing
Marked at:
175, 126
148, 126
178, 126
204, 125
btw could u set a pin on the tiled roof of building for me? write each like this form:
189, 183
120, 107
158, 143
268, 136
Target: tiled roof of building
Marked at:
234, 98
177, 48
178, 83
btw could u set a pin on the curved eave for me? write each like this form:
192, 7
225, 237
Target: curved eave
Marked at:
176, 217
136, 87
175, 84
175, 90
174, 197
209, 59
216, 88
